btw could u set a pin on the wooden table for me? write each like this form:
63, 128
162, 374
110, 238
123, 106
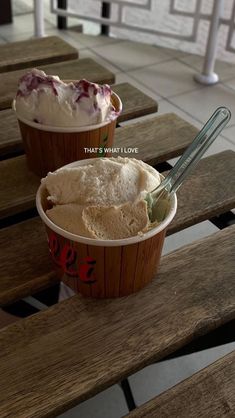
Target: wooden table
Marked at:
51, 361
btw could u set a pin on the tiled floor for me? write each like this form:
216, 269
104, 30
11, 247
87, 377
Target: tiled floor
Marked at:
166, 75
108, 404
157, 378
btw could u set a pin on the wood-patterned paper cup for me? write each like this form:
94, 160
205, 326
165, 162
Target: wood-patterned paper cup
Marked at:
48, 147
104, 268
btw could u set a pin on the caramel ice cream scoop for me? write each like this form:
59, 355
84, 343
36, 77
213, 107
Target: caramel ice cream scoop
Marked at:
104, 199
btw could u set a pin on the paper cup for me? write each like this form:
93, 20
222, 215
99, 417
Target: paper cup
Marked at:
103, 268
48, 148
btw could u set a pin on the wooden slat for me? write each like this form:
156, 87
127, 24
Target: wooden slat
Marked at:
10, 139
135, 104
34, 52
209, 393
84, 68
164, 136
193, 207
209, 192
18, 187
157, 139
81, 346
25, 266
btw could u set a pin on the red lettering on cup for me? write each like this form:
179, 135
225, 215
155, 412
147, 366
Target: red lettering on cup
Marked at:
67, 258
86, 270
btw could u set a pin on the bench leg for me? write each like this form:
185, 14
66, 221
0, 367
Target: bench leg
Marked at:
105, 12
124, 384
6, 12
61, 20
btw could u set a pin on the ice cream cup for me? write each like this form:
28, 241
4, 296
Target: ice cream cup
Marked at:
104, 268
48, 147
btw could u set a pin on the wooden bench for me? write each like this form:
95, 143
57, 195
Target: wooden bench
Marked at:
209, 393
34, 52
59, 357
69, 70
81, 346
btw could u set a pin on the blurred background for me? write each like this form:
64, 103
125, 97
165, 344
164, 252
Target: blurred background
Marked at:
179, 24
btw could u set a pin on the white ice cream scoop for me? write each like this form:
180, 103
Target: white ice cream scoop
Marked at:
47, 100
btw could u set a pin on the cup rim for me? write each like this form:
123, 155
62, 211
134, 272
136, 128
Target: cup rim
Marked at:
96, 242
65, 129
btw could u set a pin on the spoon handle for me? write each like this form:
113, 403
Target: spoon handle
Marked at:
198, 147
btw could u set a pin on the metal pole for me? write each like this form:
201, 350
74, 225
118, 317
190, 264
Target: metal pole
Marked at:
105, 12
39, 31
62, 20
6, 12
208, 76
